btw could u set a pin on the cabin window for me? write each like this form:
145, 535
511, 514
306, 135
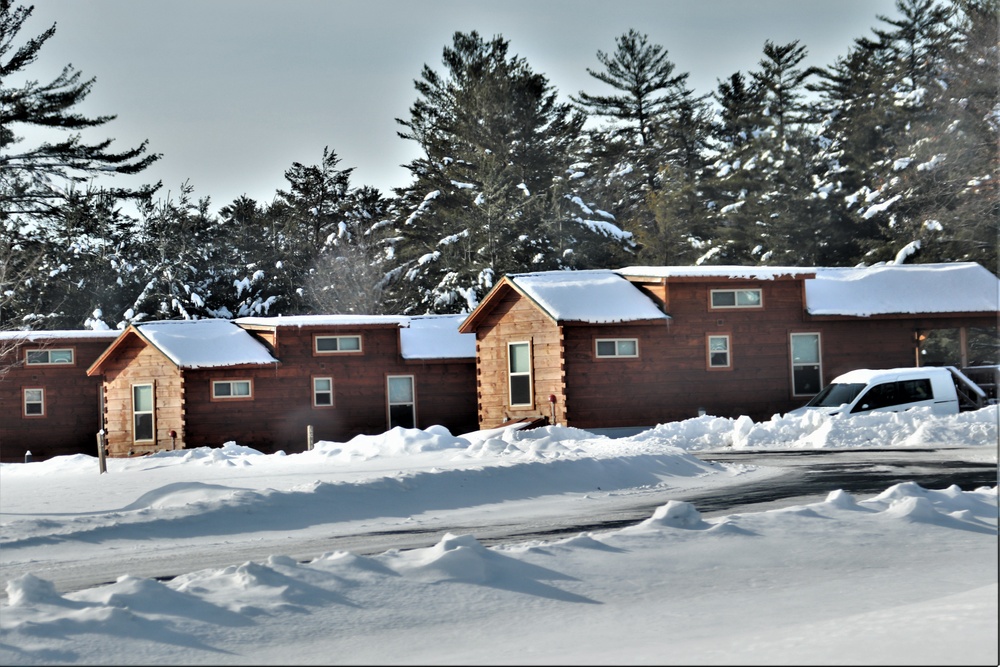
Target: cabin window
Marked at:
736, 298
806, 370
337, 344
617, 347
322, 392
231, 389
143, 426
402, 407
55, 357
34, 402
718, 351
519, 360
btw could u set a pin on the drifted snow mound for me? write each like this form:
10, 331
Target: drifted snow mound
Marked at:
393, 442
917, 427
675, 514
28, 590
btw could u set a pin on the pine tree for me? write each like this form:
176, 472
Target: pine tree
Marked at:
35, 180
493, 192
349, 271
918, 139
762, 183
177, 254
655, 126
254, 263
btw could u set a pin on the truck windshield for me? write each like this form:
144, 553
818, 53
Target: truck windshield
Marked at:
833, 395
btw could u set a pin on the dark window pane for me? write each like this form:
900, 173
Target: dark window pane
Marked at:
401, 415
722, 299
606, 348
520, 390
806, 379
144, 426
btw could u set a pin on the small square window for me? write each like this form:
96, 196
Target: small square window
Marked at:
718, 352
323, 392
34, 402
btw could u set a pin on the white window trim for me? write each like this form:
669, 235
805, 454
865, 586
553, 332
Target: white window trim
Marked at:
389, 403
318, 337
729, 351
819, 362
25, 402
232, 396
528, 373
616, 355
48, 352
712, 293
152, 412
316, 392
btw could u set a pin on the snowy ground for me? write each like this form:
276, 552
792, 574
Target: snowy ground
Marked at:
907, 576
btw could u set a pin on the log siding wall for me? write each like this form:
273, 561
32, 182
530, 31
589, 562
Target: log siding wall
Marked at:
135, 364
515, 319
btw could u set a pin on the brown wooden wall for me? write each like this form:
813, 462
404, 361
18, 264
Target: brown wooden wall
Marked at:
72, 402
670, 380
515, 319
281, 409
135, 362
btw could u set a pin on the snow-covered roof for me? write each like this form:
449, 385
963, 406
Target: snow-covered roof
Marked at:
61, 334
963, 287
436, 337
420, 336
596, 297
957, 287
205, 343
323, 320
723, 271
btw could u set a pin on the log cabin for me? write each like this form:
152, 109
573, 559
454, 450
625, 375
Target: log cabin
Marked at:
618, 351
48, 404
272, 383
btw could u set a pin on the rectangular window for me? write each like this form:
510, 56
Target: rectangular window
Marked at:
807, 378
617, 347
737, 298
322, 392
231, 389
335, 344
718, 351
519, 359
143, 427
402, 406
60, 357
34, 402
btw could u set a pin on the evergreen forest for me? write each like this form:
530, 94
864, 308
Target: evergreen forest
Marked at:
889, 154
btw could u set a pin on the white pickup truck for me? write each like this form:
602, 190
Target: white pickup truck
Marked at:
945, 390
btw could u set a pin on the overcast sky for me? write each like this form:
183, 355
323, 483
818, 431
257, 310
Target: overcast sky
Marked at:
232, 92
